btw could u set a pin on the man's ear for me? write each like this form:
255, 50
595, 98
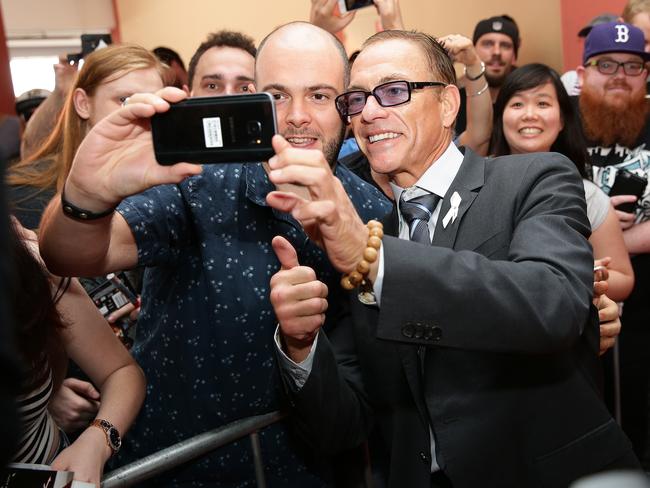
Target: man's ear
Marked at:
186, 89
81, 103
449, 105
580, 71
251, 88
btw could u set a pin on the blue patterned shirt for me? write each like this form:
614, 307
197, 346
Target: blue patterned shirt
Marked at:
205, 333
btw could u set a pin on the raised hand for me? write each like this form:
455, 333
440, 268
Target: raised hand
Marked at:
323, 15
461, 50
64, 75
299, 301
328, 216
116, 158
389, 14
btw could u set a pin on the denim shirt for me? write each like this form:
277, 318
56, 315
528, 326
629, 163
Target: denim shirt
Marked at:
205, 333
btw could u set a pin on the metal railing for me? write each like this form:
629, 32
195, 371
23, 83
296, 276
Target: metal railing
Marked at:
190, 449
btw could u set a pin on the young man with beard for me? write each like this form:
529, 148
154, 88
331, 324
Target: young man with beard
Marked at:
496, 41
204, 236
615, 117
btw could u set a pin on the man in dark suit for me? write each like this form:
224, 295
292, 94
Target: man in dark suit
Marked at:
476, 356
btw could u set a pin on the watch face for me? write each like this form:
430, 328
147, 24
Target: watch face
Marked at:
114, 437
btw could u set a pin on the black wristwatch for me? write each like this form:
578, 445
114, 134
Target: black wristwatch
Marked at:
113, 438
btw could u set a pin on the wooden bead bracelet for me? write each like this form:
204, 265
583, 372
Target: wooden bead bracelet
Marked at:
355, 278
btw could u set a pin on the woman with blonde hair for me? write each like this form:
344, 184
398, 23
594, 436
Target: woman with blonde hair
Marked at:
107, 78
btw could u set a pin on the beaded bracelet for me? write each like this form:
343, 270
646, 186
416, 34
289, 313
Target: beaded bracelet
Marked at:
355, 278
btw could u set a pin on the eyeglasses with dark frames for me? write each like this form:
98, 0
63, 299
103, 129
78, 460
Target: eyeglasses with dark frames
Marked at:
387, 95
609, 67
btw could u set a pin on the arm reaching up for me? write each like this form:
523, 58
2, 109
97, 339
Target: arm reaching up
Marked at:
322, 14
114, 161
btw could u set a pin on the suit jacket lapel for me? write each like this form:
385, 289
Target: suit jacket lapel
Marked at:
470, 178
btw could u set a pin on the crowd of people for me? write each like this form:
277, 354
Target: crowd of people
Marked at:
430, 276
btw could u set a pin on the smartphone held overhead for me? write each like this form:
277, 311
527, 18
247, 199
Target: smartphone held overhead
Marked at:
348, 5
229, 129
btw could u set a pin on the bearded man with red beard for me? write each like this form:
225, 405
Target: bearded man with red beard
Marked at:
615, 119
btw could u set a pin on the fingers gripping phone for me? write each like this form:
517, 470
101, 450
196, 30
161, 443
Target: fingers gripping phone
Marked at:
627, 183
229, 129
347, 5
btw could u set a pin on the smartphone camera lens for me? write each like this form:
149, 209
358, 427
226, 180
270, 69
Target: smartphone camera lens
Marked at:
254, 128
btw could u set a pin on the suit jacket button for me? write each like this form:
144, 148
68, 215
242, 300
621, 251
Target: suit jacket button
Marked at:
424, 457
428, 332
419, 331
408, 330
436, 333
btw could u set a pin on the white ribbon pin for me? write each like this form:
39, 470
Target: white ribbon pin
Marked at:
453, 210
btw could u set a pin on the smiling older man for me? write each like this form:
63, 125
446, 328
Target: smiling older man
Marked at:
472, 342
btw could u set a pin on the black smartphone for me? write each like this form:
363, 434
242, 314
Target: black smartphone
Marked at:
627, 183
347, 5
89, 42
229, 129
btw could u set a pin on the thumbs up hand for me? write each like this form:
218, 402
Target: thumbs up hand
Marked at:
299, 301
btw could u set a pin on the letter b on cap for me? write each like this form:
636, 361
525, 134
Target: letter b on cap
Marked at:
622, 33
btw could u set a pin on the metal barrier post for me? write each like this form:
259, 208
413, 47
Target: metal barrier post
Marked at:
257, 460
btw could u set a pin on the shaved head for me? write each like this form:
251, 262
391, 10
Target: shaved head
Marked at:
304, 68
303, 35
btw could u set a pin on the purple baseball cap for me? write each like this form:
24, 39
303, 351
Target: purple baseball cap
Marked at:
615, 37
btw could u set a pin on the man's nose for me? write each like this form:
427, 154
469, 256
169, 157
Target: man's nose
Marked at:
372, 109
298, 114
619, 73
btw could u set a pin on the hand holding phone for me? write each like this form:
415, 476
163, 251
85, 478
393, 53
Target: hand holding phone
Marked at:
116, 158
627, 183
349, 5
323, 14
229, 129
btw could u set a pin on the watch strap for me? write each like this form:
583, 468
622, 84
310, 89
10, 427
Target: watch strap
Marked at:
78, 213
108, 428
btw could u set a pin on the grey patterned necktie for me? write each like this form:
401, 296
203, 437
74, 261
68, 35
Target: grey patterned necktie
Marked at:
417, 213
